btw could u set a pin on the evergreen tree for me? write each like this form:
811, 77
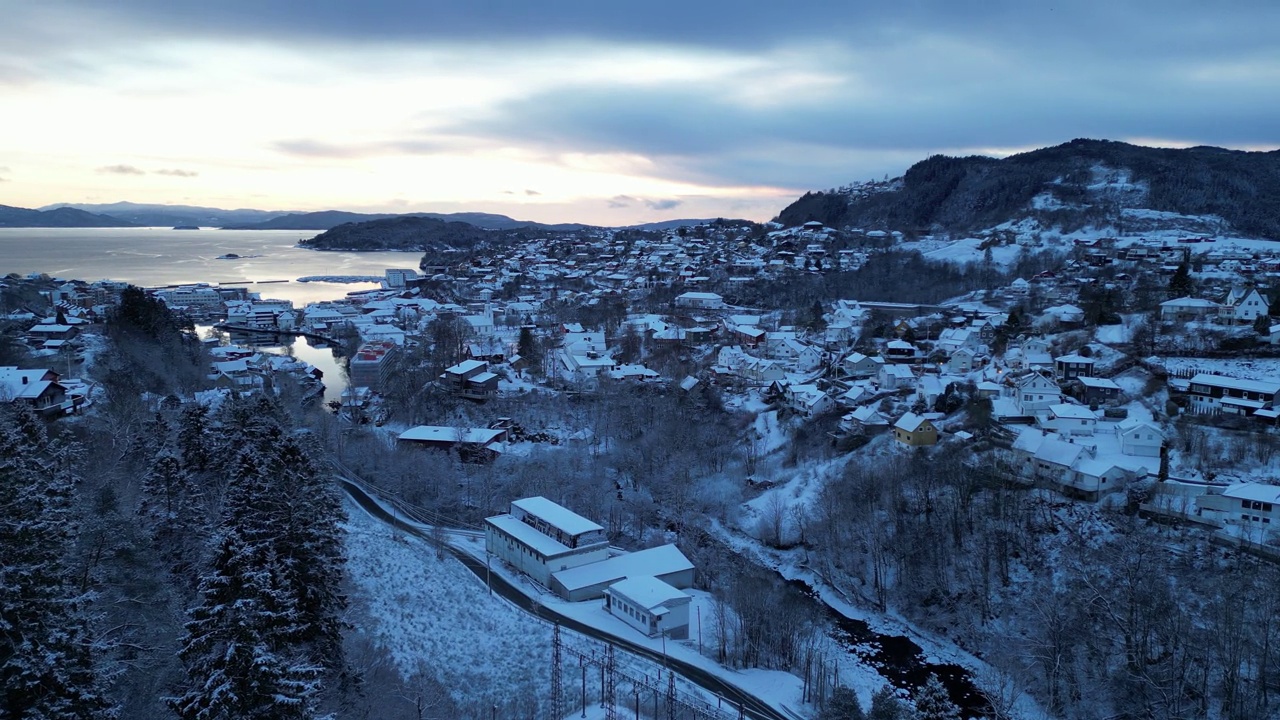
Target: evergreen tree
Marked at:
193, 440
885, 705
843, 705
239, 658
172, 504
1181, 285
529, 347
933, 702
46, 669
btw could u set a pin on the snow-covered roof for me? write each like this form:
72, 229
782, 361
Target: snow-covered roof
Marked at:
1101, 383
1188, 302
439, 433
700, 296
910, 422
1072, 412
484, 377
661, 560
649, 593
527, 535
555, 515
1074, 358
1058, 452
1270, 387
1259, 492
465, 367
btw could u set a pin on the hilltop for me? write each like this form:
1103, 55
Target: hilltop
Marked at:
1083, 182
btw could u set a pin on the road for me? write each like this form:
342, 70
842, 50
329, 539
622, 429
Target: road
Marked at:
753, 706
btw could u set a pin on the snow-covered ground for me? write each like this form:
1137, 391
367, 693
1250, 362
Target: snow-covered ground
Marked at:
1245, 368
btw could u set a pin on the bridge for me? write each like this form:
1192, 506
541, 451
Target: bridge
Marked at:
277, 331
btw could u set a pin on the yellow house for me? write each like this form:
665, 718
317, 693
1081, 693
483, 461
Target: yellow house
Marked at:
915, 430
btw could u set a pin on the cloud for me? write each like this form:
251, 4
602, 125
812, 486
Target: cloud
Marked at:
532, 193
175, 172
663, 204
121, 170
621, 201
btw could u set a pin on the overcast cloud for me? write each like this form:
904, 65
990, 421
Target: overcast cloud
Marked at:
670, 105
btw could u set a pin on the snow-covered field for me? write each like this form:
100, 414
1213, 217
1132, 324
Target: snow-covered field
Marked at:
432, 616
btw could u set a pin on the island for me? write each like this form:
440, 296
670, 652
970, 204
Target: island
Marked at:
186, 227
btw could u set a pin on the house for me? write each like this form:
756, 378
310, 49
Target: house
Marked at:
1243, 306
1020, 287
39, 389
808, 400
1188, 308
895, 377
900, 351
588, 582
1069, 467
960, 362
861, 366
470, 379
1070, 367
1096, 391
475, 444
915, 430
1064, 315
953, 339
539, 537
1139, 438
1253, 506
634, 372
1036, 392
651, 606
1068, 420
1221, 393
865, 418
1032, 354
704, 300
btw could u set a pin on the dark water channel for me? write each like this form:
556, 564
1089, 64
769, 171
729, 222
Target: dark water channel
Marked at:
899, 659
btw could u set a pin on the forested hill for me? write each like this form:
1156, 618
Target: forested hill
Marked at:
1078, 183
401, 233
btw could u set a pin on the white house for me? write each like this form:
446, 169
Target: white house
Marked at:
894, 377
1139, 438
1188, 308
861, 366
1036, 392
650, 606
960, 362
1243, 306
704, 300
1255, 506
1068, 420
808, 400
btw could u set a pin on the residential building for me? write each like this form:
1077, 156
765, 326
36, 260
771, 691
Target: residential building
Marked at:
1097, 391
704, 300
1068, 420
539, 537
1188, 308
915, 430
1070, 367
40, 389
470, 379
371, 364
1243, 306
1222, 393
1035, 392
1252, 506
1139, 438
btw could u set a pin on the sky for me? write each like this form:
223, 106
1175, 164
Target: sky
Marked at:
605, 113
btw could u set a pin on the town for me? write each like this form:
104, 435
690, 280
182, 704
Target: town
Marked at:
1135, 375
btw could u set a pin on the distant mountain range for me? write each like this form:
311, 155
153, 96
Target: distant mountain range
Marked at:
62, 217
129, 214
1084, 182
